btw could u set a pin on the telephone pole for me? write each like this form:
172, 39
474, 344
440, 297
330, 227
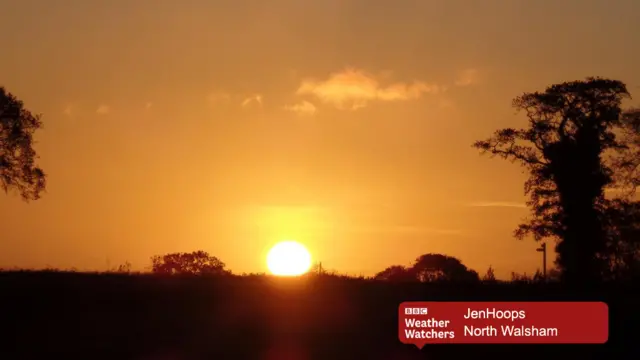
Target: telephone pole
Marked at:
543, 250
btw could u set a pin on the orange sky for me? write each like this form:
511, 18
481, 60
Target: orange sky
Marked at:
346, 125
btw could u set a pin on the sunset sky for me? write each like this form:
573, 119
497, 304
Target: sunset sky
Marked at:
228, 125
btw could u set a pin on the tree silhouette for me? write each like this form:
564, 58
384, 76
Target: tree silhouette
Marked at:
197, 262
571, 126
17, 157
395, 273
438, 267
489, 276
429, 268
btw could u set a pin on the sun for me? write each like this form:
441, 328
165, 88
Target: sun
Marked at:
288, 258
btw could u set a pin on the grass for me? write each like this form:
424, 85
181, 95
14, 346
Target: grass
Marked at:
143, 316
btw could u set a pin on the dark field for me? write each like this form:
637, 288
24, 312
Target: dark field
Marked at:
111, 316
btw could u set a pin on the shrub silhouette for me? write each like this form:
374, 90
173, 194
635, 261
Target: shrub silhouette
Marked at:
197, 262
430, 268
395, 273
438, 267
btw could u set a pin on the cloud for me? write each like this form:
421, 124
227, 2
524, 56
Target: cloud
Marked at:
354, 89
425, 230
498, 204
302, 108
467, 77
148, 105
400, 229
252, 99
103, 110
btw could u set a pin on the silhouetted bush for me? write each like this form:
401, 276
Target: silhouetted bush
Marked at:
430, 268
197, 262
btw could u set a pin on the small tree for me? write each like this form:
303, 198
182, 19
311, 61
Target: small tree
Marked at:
197, 262
18, 170
489, 276
124, 268
316, 269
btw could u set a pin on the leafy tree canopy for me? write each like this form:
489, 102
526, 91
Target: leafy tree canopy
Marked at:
18, 170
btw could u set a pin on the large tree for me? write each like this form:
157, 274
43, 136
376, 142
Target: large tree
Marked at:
571, 128
18, 171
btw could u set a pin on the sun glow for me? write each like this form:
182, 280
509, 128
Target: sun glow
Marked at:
288, 258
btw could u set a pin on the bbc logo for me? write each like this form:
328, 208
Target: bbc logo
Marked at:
415, 311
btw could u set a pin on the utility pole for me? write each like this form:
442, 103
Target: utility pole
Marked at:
543, 250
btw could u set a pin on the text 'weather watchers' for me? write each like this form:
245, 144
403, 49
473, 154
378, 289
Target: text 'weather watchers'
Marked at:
422, 323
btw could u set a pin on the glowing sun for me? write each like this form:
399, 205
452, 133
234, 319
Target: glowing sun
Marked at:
288, 258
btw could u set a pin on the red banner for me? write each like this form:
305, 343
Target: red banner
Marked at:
422, 323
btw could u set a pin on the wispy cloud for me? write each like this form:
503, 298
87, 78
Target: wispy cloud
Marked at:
303, 108
319, 218
498, 204
467, 77
402, 229
353, 89
148, 105
103, 110
425, 230
255, 99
